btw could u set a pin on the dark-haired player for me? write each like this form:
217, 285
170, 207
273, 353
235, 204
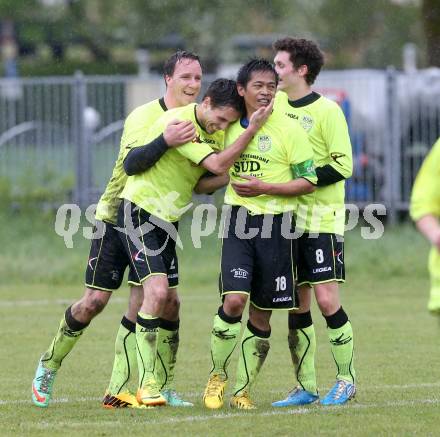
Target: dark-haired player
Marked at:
156, 199
321, 248
108, 260
257, 261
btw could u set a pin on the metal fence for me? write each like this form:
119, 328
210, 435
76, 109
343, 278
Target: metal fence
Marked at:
60, 136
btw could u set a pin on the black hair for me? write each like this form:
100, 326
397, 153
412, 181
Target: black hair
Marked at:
256, 64
170, 64
223, 92
302, 52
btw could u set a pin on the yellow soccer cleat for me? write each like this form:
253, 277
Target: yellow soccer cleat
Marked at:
149, 395
214, 392
121, 400
242, 402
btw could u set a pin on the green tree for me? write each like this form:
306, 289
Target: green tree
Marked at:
358, 33
353, 33
431, 25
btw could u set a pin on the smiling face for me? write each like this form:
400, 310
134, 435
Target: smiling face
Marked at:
215, 118
259, 91
289, 76
183, 86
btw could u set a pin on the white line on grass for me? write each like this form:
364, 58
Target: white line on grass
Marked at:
298, 411
53, 401
271, 413
193, 395
196, 395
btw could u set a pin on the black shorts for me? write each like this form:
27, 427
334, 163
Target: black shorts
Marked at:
263, 268
107, 260
152, 250
320, 259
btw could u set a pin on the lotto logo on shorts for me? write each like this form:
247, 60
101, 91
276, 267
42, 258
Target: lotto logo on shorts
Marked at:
240, 273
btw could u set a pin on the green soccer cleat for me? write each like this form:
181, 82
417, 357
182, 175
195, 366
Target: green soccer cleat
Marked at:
174, 400
42, 385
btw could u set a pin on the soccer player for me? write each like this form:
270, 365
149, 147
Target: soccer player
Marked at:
155, 200
257, 260
321, 247
108, 260
425, 211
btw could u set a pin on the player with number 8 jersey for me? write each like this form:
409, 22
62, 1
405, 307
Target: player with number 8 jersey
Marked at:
322, 216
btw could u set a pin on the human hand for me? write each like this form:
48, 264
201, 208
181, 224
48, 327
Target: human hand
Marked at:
254, 187
260, 116
179, 132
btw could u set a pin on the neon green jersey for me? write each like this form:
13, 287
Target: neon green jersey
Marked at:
425, 196
278, 153
323, 120
165, 190
135, 129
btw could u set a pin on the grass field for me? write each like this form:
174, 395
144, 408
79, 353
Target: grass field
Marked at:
396, 343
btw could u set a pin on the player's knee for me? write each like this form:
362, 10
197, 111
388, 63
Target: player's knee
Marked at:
159, 294
327, 304
174, 303
94, 304
136, 299
260, 319
172, 307
234, 304
260, 323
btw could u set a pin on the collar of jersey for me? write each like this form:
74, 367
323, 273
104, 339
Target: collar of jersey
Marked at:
244, 122
197, 120
306, 100
162, 104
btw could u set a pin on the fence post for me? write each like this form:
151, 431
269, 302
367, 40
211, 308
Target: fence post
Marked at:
392, 157
82, 159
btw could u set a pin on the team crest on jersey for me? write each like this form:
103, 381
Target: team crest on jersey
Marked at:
306, 123
264, 143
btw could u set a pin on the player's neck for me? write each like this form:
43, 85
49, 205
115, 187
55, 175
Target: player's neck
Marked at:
170, 101
298, 92
199, 114
249, 111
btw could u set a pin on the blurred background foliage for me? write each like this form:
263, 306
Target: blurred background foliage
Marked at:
102, 36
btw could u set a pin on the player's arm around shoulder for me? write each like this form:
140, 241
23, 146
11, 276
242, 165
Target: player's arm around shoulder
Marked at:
141, 158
